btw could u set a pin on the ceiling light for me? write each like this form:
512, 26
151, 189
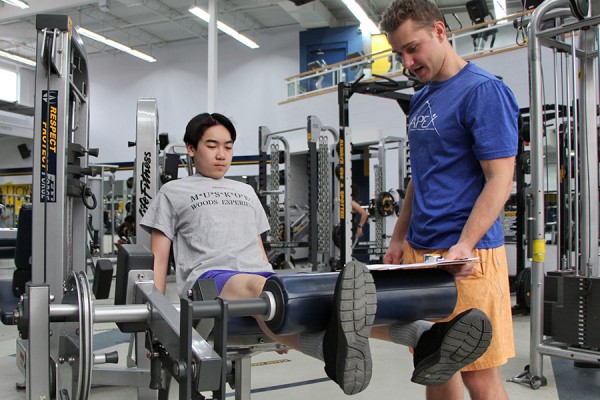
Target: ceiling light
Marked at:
17, 58
203, 15
366, 23
17, 3
116, 45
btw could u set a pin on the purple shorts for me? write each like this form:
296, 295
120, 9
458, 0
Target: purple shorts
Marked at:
221, 276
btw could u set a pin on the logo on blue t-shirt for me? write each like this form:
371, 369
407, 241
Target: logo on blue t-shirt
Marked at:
424, 120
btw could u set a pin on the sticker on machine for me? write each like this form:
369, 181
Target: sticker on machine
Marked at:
48, 142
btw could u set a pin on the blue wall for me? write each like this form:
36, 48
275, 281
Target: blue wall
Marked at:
334, 43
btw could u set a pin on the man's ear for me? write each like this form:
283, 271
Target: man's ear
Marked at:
190, 149
440, 29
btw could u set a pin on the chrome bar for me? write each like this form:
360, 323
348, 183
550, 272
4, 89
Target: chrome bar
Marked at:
537, 179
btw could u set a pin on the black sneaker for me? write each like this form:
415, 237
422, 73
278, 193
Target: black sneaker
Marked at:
346, 343
448, 346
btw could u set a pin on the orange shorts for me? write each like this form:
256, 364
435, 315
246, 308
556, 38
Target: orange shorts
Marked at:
488, 290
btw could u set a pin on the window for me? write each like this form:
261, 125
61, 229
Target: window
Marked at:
8, 85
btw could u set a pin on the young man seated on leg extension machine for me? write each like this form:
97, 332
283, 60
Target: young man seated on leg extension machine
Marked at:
214, 225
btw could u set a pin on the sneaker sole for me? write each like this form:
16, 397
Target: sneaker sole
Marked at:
464, 343
356, 305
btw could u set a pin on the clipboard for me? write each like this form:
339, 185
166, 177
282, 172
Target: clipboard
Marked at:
431, 261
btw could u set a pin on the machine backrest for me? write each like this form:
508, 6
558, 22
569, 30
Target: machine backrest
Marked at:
130, 257
22, 273
24, 234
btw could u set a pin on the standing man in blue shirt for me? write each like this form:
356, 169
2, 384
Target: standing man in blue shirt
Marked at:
462, 133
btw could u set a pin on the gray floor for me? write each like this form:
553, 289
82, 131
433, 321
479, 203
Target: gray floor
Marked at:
296, 376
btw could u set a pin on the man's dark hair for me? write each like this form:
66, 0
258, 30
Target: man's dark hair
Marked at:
200, 123
423, 12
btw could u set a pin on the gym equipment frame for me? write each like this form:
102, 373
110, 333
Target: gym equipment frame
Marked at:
268, 148
146, 178
105, 173
568, 320
56, 314
386, 88
60, 193
387, 202
289, 304
320, 173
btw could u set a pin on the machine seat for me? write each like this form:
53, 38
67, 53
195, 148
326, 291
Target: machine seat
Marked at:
8, 302
7, 248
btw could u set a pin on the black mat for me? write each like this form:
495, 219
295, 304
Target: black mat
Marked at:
574, 383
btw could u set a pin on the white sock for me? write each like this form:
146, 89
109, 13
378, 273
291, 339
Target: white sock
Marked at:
311, 344
408, 334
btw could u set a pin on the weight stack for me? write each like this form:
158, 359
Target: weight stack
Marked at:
576, 314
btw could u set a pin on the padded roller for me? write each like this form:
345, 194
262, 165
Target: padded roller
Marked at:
410, 295
304, 301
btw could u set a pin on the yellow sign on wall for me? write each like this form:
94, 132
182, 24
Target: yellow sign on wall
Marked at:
13, 196
379, 43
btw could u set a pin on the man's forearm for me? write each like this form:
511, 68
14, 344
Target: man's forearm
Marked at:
363, 218
161, 249
160, 273
487, 208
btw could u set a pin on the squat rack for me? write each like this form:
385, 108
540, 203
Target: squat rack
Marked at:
386, 88
319, 172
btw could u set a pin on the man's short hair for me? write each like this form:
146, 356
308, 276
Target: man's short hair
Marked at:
423, 12
200, 123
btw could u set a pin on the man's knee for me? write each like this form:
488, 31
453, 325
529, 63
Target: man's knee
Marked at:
257, 285
482, 381
243, 286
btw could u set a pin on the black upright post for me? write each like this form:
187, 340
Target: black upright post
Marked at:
344, 93
521, 208
313, 198
263, 158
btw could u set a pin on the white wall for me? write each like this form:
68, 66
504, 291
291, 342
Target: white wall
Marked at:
15, 129
250, 86
250, 83
26, 86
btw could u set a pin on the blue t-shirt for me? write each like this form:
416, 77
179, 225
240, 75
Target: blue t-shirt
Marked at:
453, 125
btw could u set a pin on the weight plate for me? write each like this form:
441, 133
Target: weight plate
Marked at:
75, 344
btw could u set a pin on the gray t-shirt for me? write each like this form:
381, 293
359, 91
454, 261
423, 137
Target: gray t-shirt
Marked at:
213, 224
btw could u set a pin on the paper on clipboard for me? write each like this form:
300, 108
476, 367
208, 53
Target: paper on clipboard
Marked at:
428, 264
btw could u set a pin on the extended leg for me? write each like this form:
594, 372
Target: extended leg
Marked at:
447, 347
441, 349
346, 344
345, 347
